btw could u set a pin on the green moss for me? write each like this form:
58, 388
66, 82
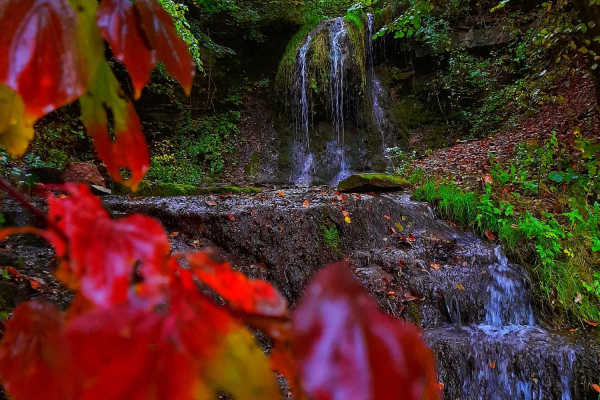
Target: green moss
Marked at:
414, 313
357, 34
320, 65
331, 236
285, 75
253, 165
372, 182
175, 189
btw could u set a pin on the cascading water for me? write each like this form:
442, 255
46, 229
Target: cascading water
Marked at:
506, 355
338, 34
302, 157
377, 93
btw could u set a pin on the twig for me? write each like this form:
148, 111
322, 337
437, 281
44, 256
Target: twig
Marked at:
20, 198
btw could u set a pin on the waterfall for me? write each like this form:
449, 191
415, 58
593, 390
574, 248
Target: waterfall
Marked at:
302, 157
337, 33
376, 92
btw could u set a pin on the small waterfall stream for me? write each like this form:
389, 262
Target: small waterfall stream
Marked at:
377, 93
302, 157
505, 355
336, 78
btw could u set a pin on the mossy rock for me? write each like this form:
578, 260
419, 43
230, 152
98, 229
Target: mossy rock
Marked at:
175, 189
361, 183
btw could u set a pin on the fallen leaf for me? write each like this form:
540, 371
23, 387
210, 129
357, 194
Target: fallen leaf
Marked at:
402, 262
578, 298
492, 365
596, 387
357, 196
348, 220
280, 194
174, 235
391, 293
211, 203
399, 226
488, 179
387, 217
592, 323
436, 266
441, 385
306, 204
345, 213
460, 287
231, 217
490, 235
409, 297
410, 238
36, 283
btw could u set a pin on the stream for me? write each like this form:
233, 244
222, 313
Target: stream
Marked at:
472, 303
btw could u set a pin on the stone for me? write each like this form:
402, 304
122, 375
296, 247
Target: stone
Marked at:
84, 173
362, 183
100, 190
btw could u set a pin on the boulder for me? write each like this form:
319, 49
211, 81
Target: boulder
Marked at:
362, 183
84, 173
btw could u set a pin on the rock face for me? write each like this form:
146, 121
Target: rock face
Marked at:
473, 305
364, 183
83, 173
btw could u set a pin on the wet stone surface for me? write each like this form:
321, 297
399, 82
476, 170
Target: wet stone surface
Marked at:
473, 304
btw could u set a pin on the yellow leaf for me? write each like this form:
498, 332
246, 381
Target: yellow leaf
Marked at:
16, 129
240, 368
347, 219
399, 226
460, 287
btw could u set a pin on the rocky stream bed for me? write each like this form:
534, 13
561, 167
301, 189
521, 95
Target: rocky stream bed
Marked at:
473, 305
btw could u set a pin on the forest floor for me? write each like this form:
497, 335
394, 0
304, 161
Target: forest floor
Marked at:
467, 162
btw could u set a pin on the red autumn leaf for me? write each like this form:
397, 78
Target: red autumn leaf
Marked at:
490, 235
119, 22
101, 253
39, 55
410, 238
280, 194
231, 217
387, 217
194, 351
391, 293
31, 356
492, 365
171, 50
488, 179
306, 204
283, 362
125, 352
348, 350
402, 262
174, 235
211, 203
250, 296
591, 323
435, 266
126, 157
596, 387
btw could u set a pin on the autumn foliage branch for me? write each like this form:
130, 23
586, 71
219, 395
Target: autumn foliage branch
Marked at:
145, 323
